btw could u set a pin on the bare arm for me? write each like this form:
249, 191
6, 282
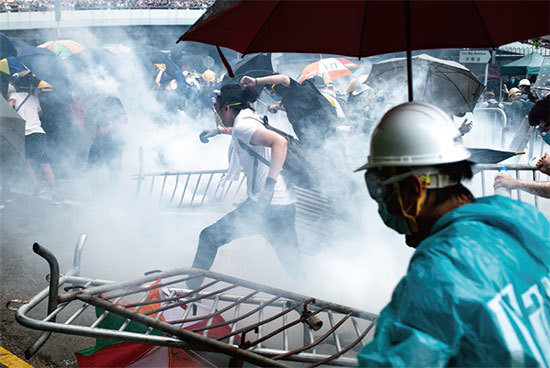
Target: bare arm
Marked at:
538, 188
225, 130
270, 79
267, 138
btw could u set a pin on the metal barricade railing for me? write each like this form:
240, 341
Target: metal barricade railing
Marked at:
240, 319
188, 188
482, 182
490, 128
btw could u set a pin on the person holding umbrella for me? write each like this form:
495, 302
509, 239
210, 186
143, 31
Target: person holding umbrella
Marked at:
25, 102
476, 289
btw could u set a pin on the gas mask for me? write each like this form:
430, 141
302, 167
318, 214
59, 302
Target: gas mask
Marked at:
395, 222
387, 191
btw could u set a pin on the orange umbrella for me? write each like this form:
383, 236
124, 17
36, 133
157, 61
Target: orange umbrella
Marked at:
331, 68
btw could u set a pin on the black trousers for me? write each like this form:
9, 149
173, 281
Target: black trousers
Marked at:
274, 223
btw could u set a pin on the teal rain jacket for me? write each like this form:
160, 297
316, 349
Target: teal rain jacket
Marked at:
477, 293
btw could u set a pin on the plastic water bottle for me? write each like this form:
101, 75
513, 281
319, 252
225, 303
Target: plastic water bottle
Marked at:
505, 192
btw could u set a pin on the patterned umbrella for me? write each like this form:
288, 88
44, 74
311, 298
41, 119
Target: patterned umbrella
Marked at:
63, 48
332, 68
11, 65
117, 49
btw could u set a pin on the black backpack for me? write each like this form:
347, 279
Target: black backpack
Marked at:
297, 170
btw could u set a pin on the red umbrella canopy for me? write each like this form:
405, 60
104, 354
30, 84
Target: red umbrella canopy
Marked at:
365, 27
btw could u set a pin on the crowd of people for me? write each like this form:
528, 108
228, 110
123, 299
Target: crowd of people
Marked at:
476, 289
49, 5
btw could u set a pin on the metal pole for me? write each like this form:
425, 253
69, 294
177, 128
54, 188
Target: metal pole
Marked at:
407, 7
57, 17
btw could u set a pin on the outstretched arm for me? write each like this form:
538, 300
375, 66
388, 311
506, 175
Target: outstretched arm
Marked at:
538, 188
270, 79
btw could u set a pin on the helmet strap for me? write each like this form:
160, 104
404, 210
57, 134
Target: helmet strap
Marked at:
411, 219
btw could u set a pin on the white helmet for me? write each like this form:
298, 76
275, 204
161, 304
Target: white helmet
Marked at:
524, 82
415, 134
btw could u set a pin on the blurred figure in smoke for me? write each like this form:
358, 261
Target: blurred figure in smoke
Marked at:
489, 100
480, 267
520, 107
312, 116
25, 102
107, 114
329, 94
525, 88
269, 209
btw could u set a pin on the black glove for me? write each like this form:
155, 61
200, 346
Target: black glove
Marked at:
205, 134
266, 195
465, 127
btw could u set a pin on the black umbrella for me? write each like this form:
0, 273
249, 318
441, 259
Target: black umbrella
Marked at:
46, 65
6, 47
18, 43
490, 156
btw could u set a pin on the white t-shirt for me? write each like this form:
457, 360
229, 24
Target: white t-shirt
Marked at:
244, 126
29, 111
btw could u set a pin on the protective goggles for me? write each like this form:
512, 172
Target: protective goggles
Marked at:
381, 188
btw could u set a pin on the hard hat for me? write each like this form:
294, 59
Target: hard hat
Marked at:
513, 91
415, 134
524, 82
209, 75
44, 86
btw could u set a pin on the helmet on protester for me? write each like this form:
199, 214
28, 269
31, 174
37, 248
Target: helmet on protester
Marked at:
513, 91
415, 134
524, 82
418, 137
44, 86
209, 75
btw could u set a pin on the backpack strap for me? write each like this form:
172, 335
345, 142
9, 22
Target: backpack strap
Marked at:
25, 100
257, 158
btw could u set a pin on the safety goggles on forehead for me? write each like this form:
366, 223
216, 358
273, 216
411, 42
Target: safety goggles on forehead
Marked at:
380, 188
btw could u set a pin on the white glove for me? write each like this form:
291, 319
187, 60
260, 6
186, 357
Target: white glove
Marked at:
209, 133
266, 195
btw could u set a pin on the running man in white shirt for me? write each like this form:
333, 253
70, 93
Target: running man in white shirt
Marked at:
269, 209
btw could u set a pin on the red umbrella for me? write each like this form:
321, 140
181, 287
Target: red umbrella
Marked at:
366, 27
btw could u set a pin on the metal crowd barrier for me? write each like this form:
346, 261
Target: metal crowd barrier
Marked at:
242, 320
482, 182
490, 128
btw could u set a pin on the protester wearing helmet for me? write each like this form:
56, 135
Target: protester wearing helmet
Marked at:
513, 94
480, 272
525, 88
269, 209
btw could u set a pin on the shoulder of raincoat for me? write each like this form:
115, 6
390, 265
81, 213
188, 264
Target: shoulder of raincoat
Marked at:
477, 293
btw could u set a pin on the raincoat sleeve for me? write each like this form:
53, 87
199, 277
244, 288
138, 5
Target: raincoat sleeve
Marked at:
418, 328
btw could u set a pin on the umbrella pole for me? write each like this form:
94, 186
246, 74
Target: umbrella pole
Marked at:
407, 7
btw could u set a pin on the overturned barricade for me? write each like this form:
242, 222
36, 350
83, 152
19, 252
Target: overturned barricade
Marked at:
237, 319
